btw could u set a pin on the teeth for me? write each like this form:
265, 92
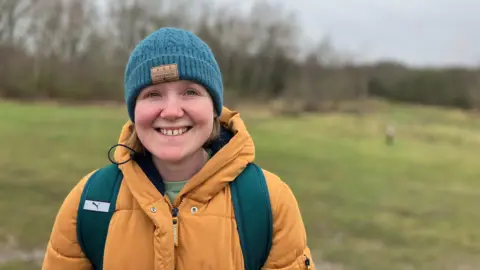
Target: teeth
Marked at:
173, 132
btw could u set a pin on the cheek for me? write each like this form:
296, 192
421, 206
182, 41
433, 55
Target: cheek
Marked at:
204, 124
145, 113
202, 118
202, 112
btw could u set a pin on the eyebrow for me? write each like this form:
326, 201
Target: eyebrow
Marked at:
192, 84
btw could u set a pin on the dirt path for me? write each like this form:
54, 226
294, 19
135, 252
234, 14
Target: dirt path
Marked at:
9, 255
10, 251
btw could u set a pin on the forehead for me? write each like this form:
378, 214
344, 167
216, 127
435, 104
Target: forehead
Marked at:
175, 85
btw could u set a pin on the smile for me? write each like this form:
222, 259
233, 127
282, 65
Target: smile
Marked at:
173, 131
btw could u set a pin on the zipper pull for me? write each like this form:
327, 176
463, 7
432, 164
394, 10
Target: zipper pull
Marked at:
307, 262
175, 226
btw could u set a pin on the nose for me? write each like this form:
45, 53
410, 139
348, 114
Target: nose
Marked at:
172, 110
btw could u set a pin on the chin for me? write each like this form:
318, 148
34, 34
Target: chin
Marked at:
171, 156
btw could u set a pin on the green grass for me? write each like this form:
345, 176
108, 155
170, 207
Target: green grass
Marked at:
365, 205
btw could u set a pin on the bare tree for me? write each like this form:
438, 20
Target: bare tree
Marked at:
14, 19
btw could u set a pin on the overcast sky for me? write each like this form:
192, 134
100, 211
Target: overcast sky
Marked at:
417, 32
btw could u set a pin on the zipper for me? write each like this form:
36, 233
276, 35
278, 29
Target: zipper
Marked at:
307, 262
175, 226
175, 220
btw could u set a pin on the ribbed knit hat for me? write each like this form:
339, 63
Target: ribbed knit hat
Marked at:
172, 54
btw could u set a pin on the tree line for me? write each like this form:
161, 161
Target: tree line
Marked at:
77, 50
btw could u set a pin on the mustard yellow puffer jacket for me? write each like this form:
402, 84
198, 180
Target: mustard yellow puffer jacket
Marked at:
207, 239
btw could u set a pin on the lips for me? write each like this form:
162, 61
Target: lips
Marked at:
173, 131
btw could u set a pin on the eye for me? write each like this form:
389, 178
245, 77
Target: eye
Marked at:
190, 92
151, 94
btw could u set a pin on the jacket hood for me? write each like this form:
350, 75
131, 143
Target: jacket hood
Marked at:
231, 153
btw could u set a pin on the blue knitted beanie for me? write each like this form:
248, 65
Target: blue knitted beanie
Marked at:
172, 54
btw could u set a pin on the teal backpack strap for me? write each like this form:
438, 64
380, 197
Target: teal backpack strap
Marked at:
253, 213
96, 208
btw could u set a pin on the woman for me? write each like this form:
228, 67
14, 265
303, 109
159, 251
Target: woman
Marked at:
178, 156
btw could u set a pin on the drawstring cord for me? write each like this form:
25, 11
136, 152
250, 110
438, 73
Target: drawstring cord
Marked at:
132, 154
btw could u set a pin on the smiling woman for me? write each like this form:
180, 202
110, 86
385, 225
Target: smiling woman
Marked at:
174, 119
183, 190
174, 114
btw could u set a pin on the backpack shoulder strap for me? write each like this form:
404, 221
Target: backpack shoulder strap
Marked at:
96, 208
253, 213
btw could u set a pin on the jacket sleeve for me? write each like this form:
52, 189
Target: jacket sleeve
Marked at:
63, 250
289, 243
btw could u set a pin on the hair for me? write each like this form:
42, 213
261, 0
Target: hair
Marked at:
135, 143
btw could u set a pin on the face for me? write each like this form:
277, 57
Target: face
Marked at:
173, 120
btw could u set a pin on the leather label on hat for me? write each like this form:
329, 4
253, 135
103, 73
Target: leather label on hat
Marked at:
165, 73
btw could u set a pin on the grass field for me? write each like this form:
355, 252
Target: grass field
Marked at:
413, 205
